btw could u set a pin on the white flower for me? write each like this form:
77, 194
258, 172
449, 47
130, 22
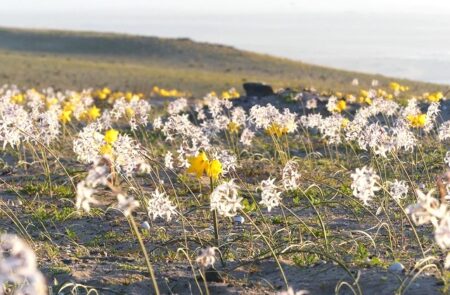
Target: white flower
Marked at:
444, 131
228, 160
411, 109
225, 200
168, 160
47, 127
311, 104
207, 257
398, 189
291, 176
447, 158
238, 116
442, 233
264, 116
403, 137
126, 204
355, 82
18, 266
15, 123
311, 120
180, 126
247, 137
87, 144
331, 104
98, 174
432, 113
127, 155
157, 123
378, 139
330, 128
144, 168
364, 184
270, 195
427, 209
177, 106
84, 196
159, 205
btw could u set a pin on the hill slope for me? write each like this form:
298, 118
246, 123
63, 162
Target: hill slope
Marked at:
80, 59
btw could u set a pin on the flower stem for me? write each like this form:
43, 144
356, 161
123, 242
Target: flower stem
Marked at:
216, 223
144, 251
268, 245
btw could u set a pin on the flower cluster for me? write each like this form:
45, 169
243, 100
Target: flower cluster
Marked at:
159, 205
225, 200
364, 184
270, 194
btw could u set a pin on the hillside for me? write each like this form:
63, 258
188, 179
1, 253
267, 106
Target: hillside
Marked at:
41, 58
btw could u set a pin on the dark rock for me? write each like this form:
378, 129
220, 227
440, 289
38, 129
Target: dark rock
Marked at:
253, 89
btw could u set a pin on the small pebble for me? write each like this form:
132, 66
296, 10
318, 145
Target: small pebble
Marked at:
238, 219
379, 210
145, 225
396, 267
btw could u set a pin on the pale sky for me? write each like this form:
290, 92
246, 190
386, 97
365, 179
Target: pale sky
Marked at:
149, 7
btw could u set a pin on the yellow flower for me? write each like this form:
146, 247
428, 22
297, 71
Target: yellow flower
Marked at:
102, 95
129, 112
276, 129
382, 93
51, 101
68, 107
364, 93
345, 122
17, 99
434, 97
111, 136
394, 86
233, 127
230, 94
93, 113
198, 164
214, 169
106, 149
417, 121
397, 87
64, 117
106, 90
340, 105
128, 96
164, 93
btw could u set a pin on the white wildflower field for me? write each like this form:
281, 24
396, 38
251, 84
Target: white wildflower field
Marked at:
109, 191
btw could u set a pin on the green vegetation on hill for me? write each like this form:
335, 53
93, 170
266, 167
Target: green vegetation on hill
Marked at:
37, 58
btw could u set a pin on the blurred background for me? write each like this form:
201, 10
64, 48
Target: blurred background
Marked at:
407, 39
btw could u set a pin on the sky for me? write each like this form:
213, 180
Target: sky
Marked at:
226, 7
